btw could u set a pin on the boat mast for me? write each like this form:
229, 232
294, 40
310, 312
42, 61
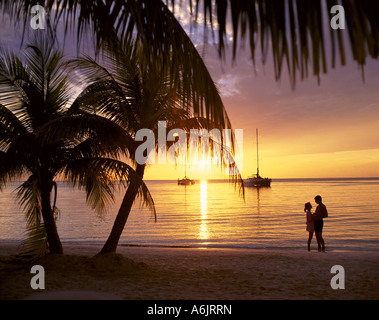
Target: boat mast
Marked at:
256, 132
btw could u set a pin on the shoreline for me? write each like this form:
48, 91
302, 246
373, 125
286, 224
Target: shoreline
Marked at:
88, 244
156, 273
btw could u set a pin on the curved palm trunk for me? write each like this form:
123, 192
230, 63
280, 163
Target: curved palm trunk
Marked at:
122, 215
55, 245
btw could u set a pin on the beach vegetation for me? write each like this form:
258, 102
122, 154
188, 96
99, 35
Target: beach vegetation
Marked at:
135, 90
42, 139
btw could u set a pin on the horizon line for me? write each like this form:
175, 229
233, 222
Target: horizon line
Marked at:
227, 179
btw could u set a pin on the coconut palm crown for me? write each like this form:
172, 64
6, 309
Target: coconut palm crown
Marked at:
135, 91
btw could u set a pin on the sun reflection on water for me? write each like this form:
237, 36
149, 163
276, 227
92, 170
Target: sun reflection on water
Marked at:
204, 233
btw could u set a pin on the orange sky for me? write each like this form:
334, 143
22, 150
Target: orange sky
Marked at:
326, 130
314, 131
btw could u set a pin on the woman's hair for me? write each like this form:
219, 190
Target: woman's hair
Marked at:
306, 206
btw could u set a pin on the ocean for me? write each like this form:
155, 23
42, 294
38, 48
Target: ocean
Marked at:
212, 214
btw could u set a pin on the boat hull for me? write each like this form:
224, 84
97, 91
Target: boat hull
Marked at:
259, 182
185, 182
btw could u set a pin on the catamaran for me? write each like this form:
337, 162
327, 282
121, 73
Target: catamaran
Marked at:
256, 180
185, 181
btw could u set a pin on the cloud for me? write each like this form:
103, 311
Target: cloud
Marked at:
228, 85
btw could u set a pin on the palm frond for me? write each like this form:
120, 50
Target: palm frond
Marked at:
283, 25
100, 176
294, 30
49, 88
13, 76
13, 166
95, 135
105, 98
11, 121
29, 194
35, 243
34, 88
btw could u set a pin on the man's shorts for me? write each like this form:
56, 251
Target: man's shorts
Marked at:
319, 225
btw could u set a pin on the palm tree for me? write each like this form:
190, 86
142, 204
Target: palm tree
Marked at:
292, 28
134, 90
41, 138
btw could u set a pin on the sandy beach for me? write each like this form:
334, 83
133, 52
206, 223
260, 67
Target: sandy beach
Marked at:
183, 273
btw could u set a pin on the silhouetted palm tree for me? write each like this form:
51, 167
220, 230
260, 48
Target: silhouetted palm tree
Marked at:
135, 90
40, 138
292, 29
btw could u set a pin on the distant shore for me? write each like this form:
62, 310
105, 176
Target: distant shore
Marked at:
185, 273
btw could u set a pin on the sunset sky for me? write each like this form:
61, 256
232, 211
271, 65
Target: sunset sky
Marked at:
316, 130
326, 130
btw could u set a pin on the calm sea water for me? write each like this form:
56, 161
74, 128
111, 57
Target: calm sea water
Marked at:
212, 214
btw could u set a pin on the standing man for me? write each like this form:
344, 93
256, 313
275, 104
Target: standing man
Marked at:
318, 216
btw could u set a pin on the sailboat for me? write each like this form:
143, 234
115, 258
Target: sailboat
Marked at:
185, 181
256, 180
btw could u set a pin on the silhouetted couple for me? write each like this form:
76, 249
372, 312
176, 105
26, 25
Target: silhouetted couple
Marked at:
315, 222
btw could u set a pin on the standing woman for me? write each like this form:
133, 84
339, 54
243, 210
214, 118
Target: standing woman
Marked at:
310, 223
